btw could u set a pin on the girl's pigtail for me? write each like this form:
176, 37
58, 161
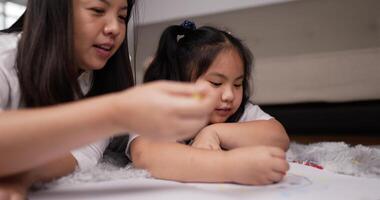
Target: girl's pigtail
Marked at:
165, 64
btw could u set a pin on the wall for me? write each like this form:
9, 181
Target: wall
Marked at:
290, 29
177, 9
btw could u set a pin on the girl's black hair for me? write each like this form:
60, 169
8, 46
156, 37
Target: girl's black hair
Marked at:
45, 60
185, 54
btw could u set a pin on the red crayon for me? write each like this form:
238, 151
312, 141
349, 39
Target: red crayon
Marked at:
308, 163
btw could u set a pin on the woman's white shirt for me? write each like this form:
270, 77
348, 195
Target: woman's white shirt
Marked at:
10, 96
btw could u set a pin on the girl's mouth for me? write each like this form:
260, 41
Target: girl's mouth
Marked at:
223, 111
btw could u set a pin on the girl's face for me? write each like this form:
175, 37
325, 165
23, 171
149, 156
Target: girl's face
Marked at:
226, 75
99, 30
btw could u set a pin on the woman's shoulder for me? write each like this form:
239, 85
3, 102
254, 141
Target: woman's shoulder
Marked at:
9, 85
8, 50
8, 41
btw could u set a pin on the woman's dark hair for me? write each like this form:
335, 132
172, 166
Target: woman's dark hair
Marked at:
188, 58
45, 60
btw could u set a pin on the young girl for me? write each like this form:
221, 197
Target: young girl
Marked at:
229, 148
64, 50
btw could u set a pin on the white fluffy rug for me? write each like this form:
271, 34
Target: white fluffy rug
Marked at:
337, 157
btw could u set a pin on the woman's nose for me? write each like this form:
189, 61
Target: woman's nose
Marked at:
112, 27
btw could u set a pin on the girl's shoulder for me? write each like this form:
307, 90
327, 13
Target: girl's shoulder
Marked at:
253, 112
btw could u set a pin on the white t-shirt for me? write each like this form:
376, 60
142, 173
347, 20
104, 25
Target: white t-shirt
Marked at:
251, 113
10, 96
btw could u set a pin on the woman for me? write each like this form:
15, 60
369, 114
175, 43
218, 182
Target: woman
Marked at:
69, 50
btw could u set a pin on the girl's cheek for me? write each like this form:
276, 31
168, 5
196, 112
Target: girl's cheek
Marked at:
203, 83
240, 100
200, 81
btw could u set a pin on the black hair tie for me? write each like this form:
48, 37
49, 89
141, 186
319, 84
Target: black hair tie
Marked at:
188, 25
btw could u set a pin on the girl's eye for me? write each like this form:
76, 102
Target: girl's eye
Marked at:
215, 84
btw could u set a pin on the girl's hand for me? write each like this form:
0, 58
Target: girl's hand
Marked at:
164, 109
260, 165
207, 138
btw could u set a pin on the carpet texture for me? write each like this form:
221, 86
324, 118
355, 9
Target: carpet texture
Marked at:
361, 161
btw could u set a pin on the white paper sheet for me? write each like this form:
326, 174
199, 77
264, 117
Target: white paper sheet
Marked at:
302, 182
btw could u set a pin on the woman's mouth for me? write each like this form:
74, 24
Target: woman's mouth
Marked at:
104, 51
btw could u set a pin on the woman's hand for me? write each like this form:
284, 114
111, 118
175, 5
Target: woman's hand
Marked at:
207, 138
165, 109
13, 192
14, 188
258, 165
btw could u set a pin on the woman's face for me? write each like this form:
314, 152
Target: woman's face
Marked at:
99, 30
225, 75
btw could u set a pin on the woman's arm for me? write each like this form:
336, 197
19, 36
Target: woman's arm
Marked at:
173, 161
241, 134
16, 186
30, 138
54, 169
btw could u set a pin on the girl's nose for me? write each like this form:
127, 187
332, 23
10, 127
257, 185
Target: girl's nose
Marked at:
227, 94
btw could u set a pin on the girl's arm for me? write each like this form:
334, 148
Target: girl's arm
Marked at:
174, 161
233, 135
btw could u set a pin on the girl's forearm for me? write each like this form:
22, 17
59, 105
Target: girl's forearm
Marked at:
173, 161
260, 132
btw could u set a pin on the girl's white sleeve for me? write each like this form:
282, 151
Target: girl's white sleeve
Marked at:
128, 150
90, 155
253, 112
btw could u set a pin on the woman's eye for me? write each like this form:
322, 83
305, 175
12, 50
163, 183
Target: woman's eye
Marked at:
122, 17
215, 84
97, 10
238, 85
